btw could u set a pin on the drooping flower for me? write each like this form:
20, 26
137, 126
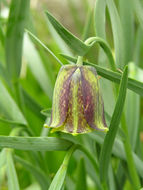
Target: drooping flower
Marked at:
77, 101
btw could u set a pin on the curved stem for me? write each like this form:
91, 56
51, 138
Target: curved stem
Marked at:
90, 41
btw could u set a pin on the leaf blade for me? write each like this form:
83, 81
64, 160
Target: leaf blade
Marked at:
13, 183
34, 143
14, 36
115, 120
73, 42
59, 178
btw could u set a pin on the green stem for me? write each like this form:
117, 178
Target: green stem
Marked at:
79, 61
129, 156
90, 41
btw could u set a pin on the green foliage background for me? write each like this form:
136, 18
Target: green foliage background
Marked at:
33, 46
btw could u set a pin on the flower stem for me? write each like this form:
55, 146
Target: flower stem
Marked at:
79, 61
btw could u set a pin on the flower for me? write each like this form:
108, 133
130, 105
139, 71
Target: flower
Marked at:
77, 101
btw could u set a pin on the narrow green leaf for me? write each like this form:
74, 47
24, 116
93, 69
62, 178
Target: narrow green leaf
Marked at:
99, 18
117, 33
78, 46
133, 84
44, 46
118, 151
139, 11
2, 37
3, 120
133, 109
37, 172
37, 68
34, 143
115, 120
9, 109
14, 36
129, 156
81, 176
127, 21
2, 158
13, 183
87, 26
73, 42
59, 178
112, 181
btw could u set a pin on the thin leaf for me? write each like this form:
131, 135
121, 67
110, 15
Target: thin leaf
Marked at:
118, 151
115, 120
9, 108
87, 25
73, 42
99, 18
37, 68
14, 36
37, 173
78, 46
139, 11
2, 37
34, 143
44, 46
59, 178
2, 158
133, 84
3, 120
117, 33
13, 183
81, 176
127, 21
133, 109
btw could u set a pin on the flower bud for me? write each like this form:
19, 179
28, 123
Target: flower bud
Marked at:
77, 101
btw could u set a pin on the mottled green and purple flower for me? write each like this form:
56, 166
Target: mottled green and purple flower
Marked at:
77, 101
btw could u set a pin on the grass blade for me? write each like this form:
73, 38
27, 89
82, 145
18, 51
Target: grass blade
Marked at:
129, 156
117, 33
99, 18
2, 158
39, 175
14, 36
13, 183
44, 46
59, 178
34, 143
9, 108
81, 176
118, 151
133, 84
139, 11
37, 68
133, 109
115, 120
127, 21
73, 42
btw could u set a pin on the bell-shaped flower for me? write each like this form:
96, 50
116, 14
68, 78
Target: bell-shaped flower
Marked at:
77, 101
